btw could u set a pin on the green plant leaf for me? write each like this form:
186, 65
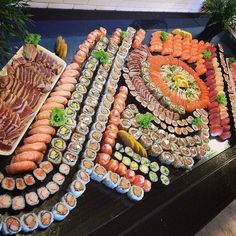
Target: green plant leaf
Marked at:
144, 120
123, 34
232, 60
197, 121
206, 54
221, 98
102, 56
32, 39
164, 36
58, 117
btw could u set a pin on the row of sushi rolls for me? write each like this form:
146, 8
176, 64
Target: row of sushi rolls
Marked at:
123, 114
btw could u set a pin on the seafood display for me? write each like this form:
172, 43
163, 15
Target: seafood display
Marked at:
123, 114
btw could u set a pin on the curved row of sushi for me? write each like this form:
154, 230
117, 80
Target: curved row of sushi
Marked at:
158, 141
138, 38
42, 130
218, 111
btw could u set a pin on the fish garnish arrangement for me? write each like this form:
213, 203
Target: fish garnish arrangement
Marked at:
123, 114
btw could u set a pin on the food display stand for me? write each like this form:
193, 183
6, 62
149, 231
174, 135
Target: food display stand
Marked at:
193, 196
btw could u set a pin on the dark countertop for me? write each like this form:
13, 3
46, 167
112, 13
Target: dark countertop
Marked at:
185, 205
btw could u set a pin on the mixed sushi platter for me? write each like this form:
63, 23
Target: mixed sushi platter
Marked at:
129, 115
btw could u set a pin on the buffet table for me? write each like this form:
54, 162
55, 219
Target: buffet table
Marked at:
191, 200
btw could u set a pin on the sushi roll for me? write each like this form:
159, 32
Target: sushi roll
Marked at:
145, 161
69, 200
174, 148
166, 157
129, 151
88, 110
77, 137
98, 173
81, 88
43, 193
188, 162
20, 184
1, 176
126, 160
93, 92
64, 169
69, 159
125, 124
70, 122
8, 183
86, 119
52, 187
96, 135
165, 144
154, 166
118, 156
190, 141
102, 119
127, 114
58, 178
91, 101
29, 222
133, 108
119, 147
60, 211
75, 147
137, 157
93, 145
70, 112
165, 180
29, 180
177, 162
82, 128
87, 165
146, 141
64, 132
77, 95
123, 185
32, 199
83, 176
136, 133
155, 150
45, 219
54, 156
144, 169
135, 193
18, 203
185, 151
11, 225
39, 174
181, 142
77, 187
111, 180
46, 166
5, 201
164, 170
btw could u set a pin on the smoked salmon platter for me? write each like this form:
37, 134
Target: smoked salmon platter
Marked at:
130, 112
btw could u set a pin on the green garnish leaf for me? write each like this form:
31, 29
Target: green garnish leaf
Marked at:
101, 56
221, 98
206, 54
172, 68
144, 120
32, 39
197, 121
164, 36
123, 34
232, 60
58, 117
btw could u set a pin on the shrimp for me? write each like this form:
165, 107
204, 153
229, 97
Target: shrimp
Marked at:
44, 138
28, 156
42, 130
58, 99
43, 122
62, 93
41, 147
20, 167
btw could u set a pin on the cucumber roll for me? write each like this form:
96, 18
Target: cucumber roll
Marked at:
119, 147
145, 161
64, 132
69, 159
123, 185
60, 211
83, 176
165, 180
98, 173
133, 165
54, 156
29, 222
45, 219
69, 200
135, 193
164, 170
77, 187
153, 176
111, 180
11, 225
137, 157
129, 151
154, 166
87, 165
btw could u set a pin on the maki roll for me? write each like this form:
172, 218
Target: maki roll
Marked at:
93, 145
46, 166
29, 222
125, 124
69, 200
188, 162
5, 201
133, 108
43, 193
91, 101
123, 185
87, 73
135, 193
165, 180
64, 132
126, 160
70, 112
82, 128
88, 110
118, 156
111, 180
77, 95
31, 198
87, 165
119, 147
75, 147
83, 176
137, 157
52, 187
177, 162
54, 156
20, 184
18, 203
39, 174
77, 137
70, 122
166, 157
45, 219
8, 183
64, 169
81, 88
185, 151
133, 165
58, 178
136, 133
60, 211
102, 119
165, 144
87, 119
11, 225
144, 169
98, 173
146, 141
153, 176
70, 159
155, 150
164, 170
29, 180
77, 187
129, 151
145, 161
96, 135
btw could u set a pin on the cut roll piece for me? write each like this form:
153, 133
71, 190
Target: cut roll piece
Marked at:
5, 201
98, 173
87, 165
60, 211
58, 178
46, 166
29, 222
11, 225
43, 193
83, 176
64, 169
69, 158
135, 193
123, 186
52, 187
45, 219
69, 200
31, 198
77, 187
18, 203
111, 180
